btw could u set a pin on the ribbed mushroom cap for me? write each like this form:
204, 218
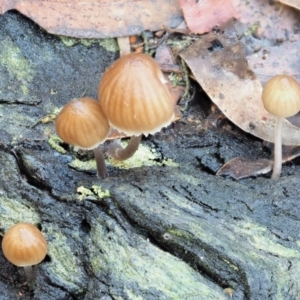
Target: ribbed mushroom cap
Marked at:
82, 123
24, 245
281, 96
134, 97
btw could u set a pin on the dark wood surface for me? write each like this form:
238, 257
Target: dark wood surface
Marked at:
161, 226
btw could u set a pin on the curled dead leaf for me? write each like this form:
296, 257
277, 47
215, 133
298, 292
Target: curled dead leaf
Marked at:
218, 63
240, 167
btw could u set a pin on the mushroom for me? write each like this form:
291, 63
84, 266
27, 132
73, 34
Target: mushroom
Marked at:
82, 123
281, 98
135, 100
24, 246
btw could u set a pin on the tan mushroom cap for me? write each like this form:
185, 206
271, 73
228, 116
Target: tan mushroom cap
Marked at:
24, 245
134, 97
281, 96
82, 123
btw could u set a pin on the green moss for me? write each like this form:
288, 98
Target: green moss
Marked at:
54, 142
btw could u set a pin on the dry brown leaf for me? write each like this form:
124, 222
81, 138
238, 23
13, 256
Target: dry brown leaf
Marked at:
293, 3
219, 65
277, 21
282, 59
240, 167
203, 16
166, 59
98, 19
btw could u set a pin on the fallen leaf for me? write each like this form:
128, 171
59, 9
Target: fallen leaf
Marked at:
293, 3
218, 63
98, 19
281, 59
203, 16
278, 22
240, 167
166, 59
288, 152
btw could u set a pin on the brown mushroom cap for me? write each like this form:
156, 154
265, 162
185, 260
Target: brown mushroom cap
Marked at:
281, 96
24, 245
134, 97
82, 123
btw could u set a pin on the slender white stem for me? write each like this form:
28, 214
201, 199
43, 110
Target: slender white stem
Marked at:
277, 149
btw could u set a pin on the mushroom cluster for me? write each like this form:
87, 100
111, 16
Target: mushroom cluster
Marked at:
281, 98
133, 98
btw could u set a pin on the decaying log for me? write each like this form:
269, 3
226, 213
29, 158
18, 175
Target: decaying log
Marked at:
161, 226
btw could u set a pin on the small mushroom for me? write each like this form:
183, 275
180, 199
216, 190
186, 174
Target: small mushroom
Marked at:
82, 123
281, 98
135, 100
24, 246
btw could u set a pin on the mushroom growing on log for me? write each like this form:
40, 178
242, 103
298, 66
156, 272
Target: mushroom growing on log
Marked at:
135, 100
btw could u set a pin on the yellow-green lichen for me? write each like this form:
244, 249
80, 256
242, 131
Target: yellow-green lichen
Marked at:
260, 238
109, 44
48, 118
54, 141
12, 211
144, 156
83, 165
99, 192
15, 63
83, 192
64, 265
95, 192
141, 265
232, 266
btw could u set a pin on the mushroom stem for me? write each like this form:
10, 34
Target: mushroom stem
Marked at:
101, 167
30, 275
277, 149
117, 152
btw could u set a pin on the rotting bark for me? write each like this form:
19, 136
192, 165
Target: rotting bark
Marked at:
168, 229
